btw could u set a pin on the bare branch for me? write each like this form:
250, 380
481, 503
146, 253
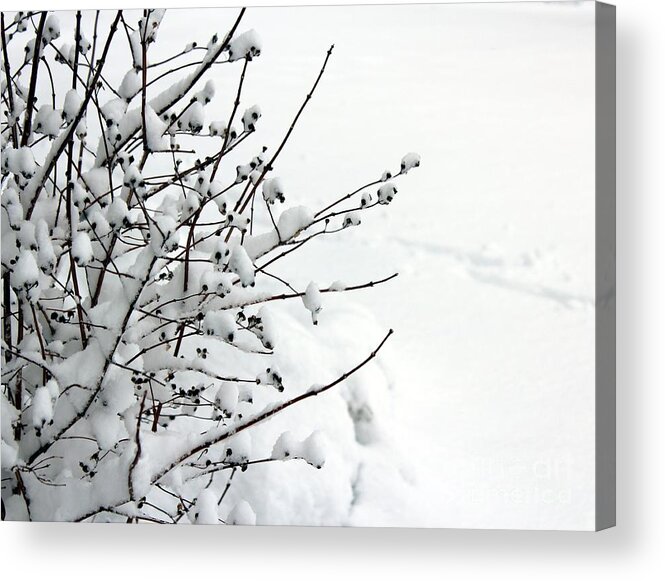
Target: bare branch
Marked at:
269, 412
27, 122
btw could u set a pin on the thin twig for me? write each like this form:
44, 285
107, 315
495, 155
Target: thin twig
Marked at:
137, 455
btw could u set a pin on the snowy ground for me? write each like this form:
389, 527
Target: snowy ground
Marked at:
493, 239
491, 369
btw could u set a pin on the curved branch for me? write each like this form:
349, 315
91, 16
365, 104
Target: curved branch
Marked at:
269, 412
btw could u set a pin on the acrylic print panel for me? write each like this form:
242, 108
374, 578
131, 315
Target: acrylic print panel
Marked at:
252, 278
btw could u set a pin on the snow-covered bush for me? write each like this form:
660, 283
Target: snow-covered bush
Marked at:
140, 350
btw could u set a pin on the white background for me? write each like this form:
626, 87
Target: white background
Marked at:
66, 551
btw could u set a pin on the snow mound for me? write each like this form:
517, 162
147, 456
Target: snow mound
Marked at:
247, 45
